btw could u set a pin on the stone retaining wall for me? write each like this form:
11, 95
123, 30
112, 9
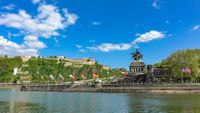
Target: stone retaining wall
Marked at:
10, 85
116, 88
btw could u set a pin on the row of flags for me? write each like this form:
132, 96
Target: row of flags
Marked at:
95, 75
72, 76
52, 77
185, 70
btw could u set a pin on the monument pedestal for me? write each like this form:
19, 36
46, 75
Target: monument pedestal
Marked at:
136, 68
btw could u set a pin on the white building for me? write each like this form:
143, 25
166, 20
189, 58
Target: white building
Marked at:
15, 71
25, 58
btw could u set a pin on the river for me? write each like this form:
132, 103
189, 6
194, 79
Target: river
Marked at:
12, 100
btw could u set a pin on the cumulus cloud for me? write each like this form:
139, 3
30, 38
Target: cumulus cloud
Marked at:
45, 24
9, 7
49, 20
82, 50
11, 48
155, 4
79, 46
149, 36
106, 47
71, 18
196, 27
142, 38
33, 42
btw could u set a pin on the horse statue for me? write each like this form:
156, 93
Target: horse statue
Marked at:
137, 55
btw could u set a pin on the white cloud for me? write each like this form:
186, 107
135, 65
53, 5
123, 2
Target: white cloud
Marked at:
149, 36
96, 23
56, 41
146, 37
9, 7
155, 4
79, 46
106, 47
196, 27
36, 1
82, 50
45, 24
33, 42
11, 48
71, 18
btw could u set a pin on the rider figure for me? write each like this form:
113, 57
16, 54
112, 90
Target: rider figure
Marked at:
137, 55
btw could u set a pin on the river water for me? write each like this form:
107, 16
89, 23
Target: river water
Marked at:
13, 101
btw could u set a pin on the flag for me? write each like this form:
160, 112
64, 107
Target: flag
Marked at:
42, 77
83, 76
52, 77
61, 77
186, 70
124, 73
72, 76
95, 75
104, 78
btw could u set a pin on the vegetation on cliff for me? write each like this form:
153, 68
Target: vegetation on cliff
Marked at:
39, 70
6, 68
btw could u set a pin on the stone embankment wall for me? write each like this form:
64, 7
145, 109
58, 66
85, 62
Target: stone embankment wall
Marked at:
152, 89
61, 88
130, 88
10, 85
44, 87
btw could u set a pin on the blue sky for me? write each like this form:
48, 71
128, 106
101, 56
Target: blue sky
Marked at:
106, 30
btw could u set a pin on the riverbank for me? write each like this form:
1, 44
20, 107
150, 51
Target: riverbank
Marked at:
128, 88
167, 90
10, 85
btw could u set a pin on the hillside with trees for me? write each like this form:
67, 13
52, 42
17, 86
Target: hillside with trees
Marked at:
38, 70
180, 59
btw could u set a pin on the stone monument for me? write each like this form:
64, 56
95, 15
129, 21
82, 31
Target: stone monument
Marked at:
137, 66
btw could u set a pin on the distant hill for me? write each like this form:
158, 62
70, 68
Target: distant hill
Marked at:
27, 69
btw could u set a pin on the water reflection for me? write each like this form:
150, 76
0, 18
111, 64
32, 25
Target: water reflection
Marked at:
165, 103
66, 102
86, 102
22, 107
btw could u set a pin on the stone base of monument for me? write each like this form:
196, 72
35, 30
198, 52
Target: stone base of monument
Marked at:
137, 67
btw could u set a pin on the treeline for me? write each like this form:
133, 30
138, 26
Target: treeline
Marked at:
183, 58
39, 70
